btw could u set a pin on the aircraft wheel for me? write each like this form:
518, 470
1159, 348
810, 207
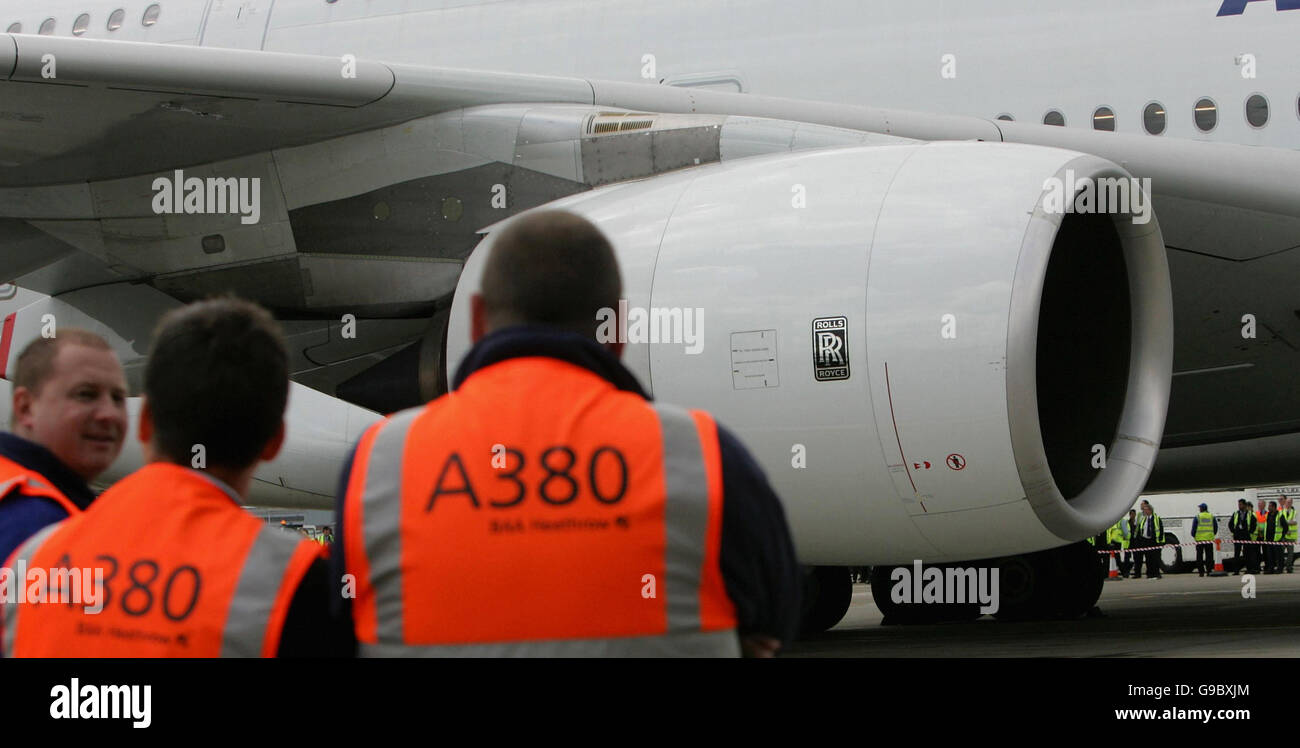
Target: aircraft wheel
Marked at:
914, 613
828, 590
1025, 584
1080, 585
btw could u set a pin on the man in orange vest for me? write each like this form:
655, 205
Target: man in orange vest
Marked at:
546, 506
68, 424
185, 571
1261, 524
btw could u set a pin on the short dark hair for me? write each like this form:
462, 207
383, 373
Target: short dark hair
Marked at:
551, 268
36, 362
218, 375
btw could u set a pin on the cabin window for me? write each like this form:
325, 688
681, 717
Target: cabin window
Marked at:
1104, 119
1257, 111
1153, 118
1206, 115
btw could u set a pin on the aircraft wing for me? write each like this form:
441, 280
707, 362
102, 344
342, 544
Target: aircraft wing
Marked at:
77, 110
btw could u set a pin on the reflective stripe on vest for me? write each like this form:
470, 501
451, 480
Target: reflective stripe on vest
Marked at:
20, 558
1204, 527
252, 612
1274, 532
188, 574
381, 520
30, 483
1261, 525
1117, 534
514, 573
686, 515
1151, 522
1240, 522
697, 644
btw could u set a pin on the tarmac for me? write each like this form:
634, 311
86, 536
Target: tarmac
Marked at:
1180, 615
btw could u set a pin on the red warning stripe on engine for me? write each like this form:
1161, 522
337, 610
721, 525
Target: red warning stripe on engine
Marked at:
6, 338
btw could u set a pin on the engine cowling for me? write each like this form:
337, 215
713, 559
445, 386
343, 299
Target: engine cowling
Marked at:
995, 351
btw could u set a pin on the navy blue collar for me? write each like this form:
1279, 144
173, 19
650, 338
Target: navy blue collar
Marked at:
537, 340
38, 459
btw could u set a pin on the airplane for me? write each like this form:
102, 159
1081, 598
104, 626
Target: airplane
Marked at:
929, 360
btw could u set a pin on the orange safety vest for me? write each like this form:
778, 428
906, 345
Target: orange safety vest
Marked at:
187, 573
16, 480
586, 523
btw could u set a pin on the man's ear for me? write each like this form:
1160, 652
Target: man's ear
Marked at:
273, 446
146, 430
477, 318
22, 404
146, 421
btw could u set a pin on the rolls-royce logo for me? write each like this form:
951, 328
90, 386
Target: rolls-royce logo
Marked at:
830, 348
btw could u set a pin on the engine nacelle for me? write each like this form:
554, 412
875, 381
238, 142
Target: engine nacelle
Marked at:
927, 359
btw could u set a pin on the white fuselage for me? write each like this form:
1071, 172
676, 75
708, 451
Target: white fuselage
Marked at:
1020, 58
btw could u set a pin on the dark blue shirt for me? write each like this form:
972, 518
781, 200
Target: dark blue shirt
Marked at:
23, 516
757, 557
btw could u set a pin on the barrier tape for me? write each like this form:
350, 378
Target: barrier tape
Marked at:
1134, 549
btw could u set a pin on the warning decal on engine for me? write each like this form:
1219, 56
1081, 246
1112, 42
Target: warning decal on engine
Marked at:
830, 348
753, 360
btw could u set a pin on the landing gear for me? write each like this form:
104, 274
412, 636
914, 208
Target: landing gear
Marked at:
827, 592
1060, 583
882, 584
1056, 583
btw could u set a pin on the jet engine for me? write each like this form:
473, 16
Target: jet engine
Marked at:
936, 351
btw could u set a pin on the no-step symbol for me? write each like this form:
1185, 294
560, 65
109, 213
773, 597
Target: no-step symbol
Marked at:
956, 461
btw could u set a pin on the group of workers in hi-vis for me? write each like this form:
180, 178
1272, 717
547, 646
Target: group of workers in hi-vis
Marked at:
1264, 537
545, 506
1263, 540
